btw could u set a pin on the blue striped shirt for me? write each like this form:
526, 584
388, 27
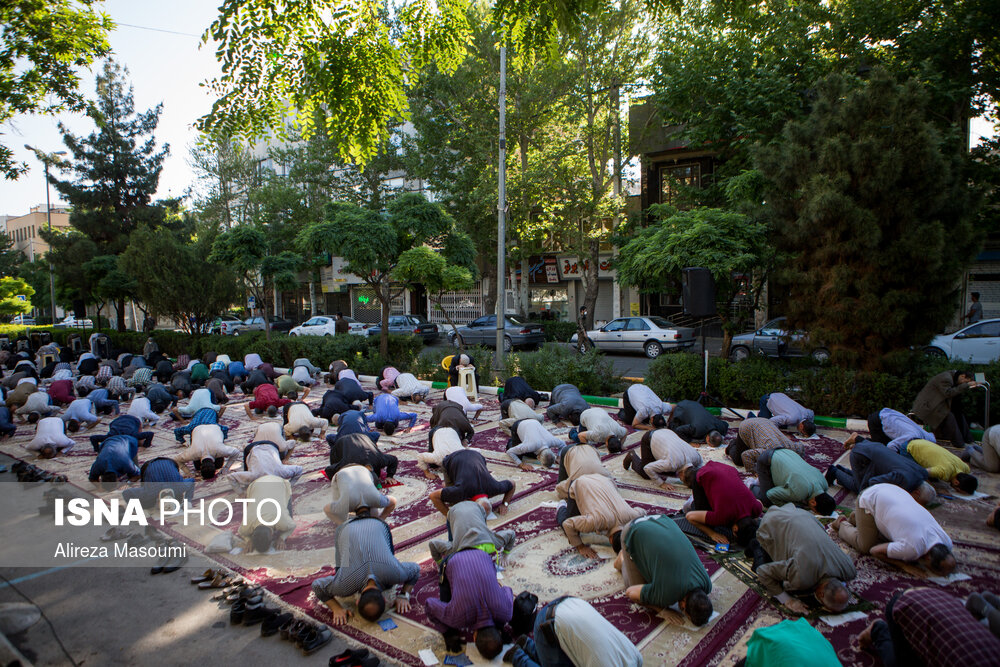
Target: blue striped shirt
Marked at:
364, 551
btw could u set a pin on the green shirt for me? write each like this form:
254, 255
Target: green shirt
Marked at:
790, 644
286, 385
795, 481
666, 559
199, 372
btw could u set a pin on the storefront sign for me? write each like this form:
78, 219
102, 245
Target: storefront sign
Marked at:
572, 268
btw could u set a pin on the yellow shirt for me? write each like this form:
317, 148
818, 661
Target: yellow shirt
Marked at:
940, 463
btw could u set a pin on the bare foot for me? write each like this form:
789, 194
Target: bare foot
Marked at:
849, 443
865, 638
429, 475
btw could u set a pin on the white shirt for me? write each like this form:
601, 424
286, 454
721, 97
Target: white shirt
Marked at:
252, 361
458, 395
348, 373
206, 443
911, 529
265, 460
301, 375
271, 432
141, 409
671, 454
444, 442
600, 426
646, 402
50, 431
520, 410
408, 385
589, 640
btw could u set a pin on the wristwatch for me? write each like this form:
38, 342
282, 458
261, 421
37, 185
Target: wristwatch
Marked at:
405, 596
506, 504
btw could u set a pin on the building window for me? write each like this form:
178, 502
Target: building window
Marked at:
674, 179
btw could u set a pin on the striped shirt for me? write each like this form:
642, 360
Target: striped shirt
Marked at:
86, 381
104, 374
364, 551
117, 386
141, 377
760, 433
477, 598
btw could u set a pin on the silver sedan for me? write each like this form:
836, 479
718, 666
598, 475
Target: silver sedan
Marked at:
650, 335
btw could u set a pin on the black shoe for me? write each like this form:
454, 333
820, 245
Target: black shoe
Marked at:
257, 613
316, 639
352, 656
272, 624
237, 612
367, 661
627, 461
174, 564
830, 476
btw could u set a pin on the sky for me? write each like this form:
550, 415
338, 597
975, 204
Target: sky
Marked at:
162, 67
158, 43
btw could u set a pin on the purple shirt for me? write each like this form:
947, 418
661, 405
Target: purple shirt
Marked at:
477, 598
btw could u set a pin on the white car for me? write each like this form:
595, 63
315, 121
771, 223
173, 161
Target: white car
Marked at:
70, 321
23, 320
977, 343
650, 334
326, 325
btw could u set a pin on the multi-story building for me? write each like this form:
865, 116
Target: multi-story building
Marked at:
25, 230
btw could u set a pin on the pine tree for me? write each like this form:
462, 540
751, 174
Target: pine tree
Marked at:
116, 170
874, 207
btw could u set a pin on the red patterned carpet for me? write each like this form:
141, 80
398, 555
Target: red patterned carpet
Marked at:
542, 561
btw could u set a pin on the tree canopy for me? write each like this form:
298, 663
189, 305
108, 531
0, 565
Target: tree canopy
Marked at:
43, 44
871, 202
10, 289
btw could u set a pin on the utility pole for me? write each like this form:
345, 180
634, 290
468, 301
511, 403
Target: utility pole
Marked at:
498, 358
47, 159
616, 184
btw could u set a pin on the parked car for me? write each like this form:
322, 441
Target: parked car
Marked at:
518, 333
774, 340
226, 325
70, 321
977, 343
416, 325
257, 324
651, 335
23, 320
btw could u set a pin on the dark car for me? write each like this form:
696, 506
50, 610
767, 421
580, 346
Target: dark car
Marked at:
416, 325
774, 340
517, 333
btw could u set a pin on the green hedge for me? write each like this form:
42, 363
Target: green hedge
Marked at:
362, 353
556, 364
559, 332
828, 390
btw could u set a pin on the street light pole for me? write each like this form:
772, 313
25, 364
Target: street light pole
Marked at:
46, 160
498, 358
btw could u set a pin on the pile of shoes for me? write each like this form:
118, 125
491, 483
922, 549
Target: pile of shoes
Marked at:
50, 496
354, 658
28, 473
246, 607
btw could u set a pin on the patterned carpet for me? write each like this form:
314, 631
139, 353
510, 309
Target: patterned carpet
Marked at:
542, 561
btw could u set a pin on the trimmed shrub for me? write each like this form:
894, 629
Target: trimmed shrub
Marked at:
828, 390
559, 332
555, 364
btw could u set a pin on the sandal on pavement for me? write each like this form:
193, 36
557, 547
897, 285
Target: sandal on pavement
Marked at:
207, 575
116, 533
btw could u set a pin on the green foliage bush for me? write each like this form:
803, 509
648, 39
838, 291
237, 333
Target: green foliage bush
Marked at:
556, 364
828, 390
559, 332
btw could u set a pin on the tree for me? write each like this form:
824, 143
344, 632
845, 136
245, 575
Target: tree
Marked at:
733, 246
175, 276
42, 46
11, 259
341, 68
873, 205
10, 304
371, 242
440, 273
246, 251
227, 175
116, 171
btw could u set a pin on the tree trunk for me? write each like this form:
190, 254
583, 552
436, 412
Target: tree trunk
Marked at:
490, 276
120, 313
590, 281
312, 295
384, 294
524, 287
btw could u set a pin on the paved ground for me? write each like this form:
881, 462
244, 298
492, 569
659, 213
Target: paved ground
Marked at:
626, 365
174, 620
